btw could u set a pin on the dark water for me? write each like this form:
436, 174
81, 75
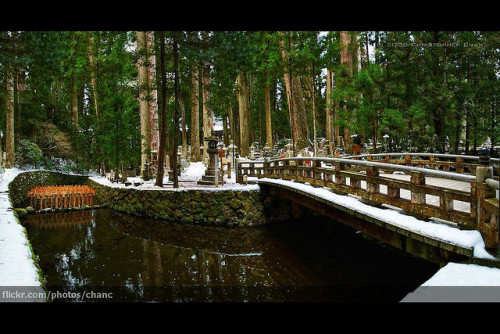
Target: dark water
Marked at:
105, 256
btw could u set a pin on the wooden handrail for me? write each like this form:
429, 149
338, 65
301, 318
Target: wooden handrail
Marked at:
333, 173
381, 165
461, 163
438, 155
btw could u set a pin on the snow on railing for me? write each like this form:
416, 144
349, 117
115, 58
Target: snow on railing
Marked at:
443, 201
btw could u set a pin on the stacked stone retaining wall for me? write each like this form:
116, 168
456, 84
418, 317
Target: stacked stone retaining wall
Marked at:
226, 208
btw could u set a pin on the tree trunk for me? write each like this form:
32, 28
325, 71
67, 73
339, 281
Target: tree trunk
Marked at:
347, 62
20, 86
183, 127
244, 114
288, 87
9, 125
74, 101
74, 88
296, 103
143, 103
231, 125
267, 103
314, 113
236, 121
301, 131
93, 75
225, 133
152, 94
176, 109
163, 130
310, 92
93, 83
207, 112
467, 106
195, 116
330, 135
493, 123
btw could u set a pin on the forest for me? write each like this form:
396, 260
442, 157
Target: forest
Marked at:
84, 100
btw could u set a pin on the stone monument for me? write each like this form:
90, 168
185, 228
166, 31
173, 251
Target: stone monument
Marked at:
213, 153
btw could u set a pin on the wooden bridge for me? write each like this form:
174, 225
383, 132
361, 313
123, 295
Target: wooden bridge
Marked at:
456, 189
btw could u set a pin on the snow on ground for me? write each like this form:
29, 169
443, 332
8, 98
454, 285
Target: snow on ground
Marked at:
458, 274
187, 180
17, 267
457, 282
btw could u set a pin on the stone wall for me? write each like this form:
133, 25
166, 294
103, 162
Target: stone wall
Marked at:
225, 208
228, 208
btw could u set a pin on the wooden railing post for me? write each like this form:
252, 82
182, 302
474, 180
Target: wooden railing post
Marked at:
432, 161
459, 165
417, 196
417, 180
316, 173
339, 179
295, 169
285, 172
483, 191
445, 203
355, 183
408, 160
393, 192
372, 187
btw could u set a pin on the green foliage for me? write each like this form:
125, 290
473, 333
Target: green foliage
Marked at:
28, 154
393, 123
420, 87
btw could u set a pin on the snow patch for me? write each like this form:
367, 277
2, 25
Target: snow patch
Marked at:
187, 181
459, 274
17, 267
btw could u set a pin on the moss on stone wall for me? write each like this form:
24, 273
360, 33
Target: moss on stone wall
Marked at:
229, 208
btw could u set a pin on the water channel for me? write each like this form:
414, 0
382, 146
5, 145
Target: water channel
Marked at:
130, 259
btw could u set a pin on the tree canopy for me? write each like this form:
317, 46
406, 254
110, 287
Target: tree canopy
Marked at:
75, 94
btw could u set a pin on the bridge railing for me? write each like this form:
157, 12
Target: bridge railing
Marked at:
446, 162
365, 179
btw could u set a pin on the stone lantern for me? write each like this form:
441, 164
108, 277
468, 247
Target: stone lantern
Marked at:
213, 151
484, 156
386, 142
289, 150
356, 147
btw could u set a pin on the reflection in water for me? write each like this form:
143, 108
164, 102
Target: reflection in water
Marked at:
142, 259
60, 219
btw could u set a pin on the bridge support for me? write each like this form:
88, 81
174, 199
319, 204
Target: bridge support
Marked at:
430, 249
333, 173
